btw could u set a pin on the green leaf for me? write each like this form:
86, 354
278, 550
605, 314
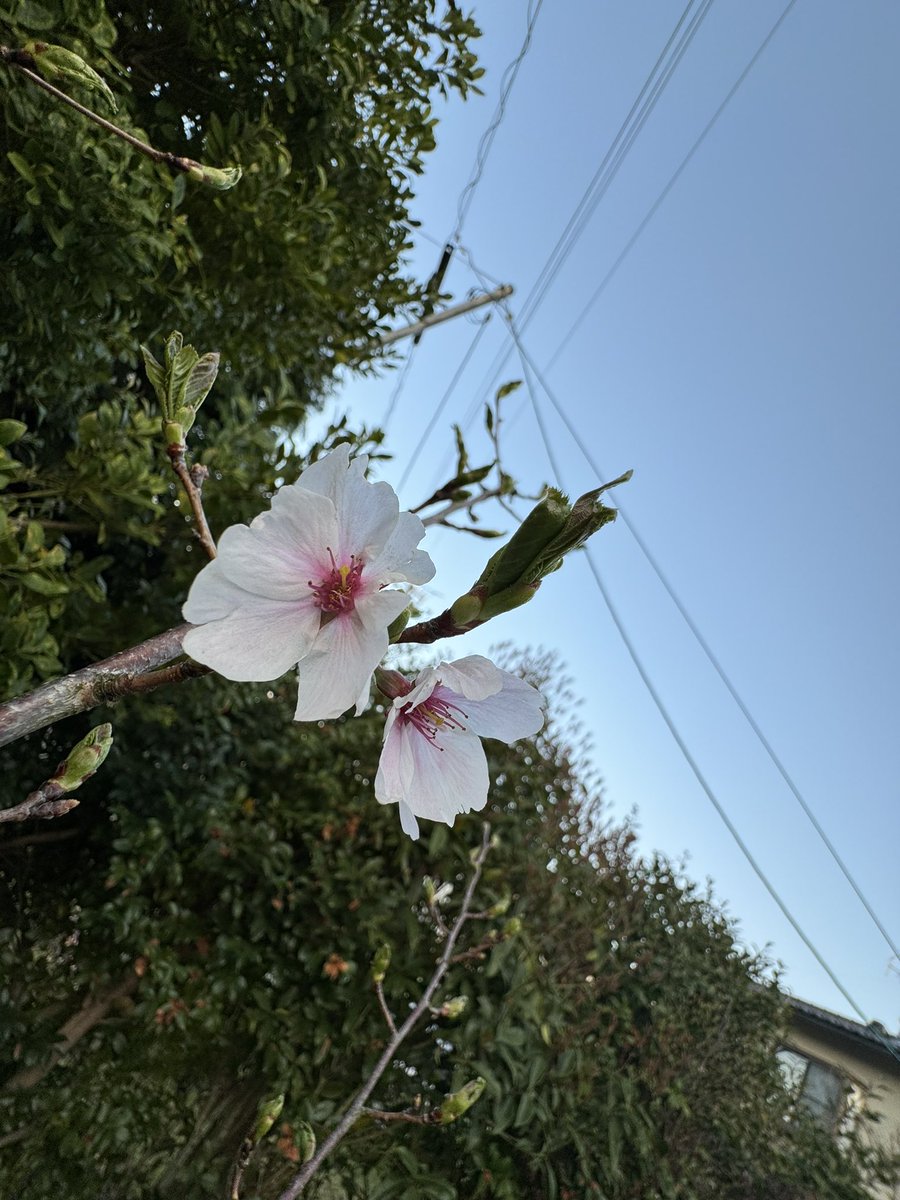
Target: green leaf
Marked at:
11, 430
23, 166
59, 65
44, 587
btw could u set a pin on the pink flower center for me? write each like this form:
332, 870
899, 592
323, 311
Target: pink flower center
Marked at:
434, 715
336, 593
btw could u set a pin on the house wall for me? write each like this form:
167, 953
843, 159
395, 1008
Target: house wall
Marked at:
880, 1084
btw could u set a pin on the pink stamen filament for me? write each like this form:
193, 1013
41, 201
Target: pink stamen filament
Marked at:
336, 593
435, 714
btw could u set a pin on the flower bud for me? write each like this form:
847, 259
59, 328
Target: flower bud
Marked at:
305, 1141
391, 684
501, 907
453, 1008
459, 1102
466, 609
266, 1115
512, 927
82, 761
58, 65
380, 963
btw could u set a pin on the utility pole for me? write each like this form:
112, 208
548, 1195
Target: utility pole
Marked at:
447, 314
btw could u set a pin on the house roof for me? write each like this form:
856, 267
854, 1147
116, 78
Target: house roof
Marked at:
872, 1037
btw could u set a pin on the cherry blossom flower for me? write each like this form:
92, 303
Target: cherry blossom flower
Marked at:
305, 583
433, 764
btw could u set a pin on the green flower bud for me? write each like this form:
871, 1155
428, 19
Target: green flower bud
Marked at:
514, 562
512, 927
58, 65
501, 907
266, 1115
460, 1102
398, 624
82, 761
305, 1141
380, 963
466, 609
453, 1008
219, 178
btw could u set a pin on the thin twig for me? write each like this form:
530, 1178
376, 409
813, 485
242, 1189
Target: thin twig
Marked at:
386, 1012
455, 505
192, 481
177, 162
356, 1106
36, 839
410, 1116
42, 804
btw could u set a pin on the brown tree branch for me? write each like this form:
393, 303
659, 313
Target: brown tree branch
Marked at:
129, 672
24, 62
91, 1014
357, 1104
192, 481
385, 1011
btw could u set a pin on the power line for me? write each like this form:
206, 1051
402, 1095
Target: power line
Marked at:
527, 364
473, 346
651, 212
655, 83
468, 192
704, 645
487, 138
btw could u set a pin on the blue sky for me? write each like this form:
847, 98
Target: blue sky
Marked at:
744, 361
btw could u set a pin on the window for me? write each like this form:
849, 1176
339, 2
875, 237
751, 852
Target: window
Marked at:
823, 1091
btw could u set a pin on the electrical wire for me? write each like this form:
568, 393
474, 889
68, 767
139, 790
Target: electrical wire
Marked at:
662, 708
442, 404
645, 102
711, 656
468, 192
487, 138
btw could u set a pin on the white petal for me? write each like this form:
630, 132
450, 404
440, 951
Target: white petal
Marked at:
366, 512
450, 775
258, 641
513, 713
379, 609
434, 779
474, 677
213, 596
283, 550
399, 559
331, 679
408, 822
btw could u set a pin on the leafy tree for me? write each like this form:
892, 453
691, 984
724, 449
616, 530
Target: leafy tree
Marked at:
197, 936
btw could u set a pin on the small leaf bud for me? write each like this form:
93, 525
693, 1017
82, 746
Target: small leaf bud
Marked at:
501, 907
57, 65
84, 759
381, 962
460, 1102
266, 1115
453, 1008
512, 927
305, 1141
466, 609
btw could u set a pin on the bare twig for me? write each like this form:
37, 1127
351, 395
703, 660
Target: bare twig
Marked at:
24, 62
357, 1104
386, 1012
192, 481
129, 672
439, 517
36, 839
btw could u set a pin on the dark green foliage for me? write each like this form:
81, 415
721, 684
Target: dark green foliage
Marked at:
325, 106
197, 936
236, 877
